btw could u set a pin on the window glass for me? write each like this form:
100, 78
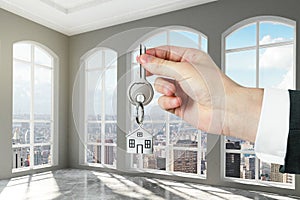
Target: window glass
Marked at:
21, 90
157, 40
184, 39
21, 157
93, 154
110, 155
110, 88
94, 95
20, 133
42, 93
95, 60
273, 32
42, 132
94, 132
183, 135
110, 59
243, 37
157, 160
111, 133
42, 155
22, 51
276, 67
41, 57
241, 67
185, 161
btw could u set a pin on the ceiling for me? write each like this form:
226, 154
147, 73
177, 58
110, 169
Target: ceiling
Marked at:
72, 17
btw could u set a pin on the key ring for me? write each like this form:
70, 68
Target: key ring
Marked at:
139, 113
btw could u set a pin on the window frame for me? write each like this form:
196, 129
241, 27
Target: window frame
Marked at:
103, 122
54, 120
240, 25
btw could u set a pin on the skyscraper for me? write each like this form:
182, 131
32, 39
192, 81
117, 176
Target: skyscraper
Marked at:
233, 160
278, 176
185, 161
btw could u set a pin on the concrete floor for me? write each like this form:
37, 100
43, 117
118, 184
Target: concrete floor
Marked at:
88, 185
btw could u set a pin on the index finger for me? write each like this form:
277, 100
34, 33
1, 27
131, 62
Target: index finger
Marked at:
171, 53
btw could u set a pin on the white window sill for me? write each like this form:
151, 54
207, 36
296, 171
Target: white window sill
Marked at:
169, 173
23, 169
290, 186
99, 165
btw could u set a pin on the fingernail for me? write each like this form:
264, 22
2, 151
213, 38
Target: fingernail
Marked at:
143, 59
150, 51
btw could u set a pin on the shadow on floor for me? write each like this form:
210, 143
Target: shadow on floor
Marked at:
84, 184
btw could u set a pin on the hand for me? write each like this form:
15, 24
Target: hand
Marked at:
195, 89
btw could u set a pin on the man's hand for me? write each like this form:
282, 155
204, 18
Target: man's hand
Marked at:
194, 88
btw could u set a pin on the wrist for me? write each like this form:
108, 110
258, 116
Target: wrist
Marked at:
242, 113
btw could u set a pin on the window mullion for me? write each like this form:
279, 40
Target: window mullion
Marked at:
103, 109
199, 152
169, 150
200, 42
86, 122
257, 53
32, 110
257, 84
52, 117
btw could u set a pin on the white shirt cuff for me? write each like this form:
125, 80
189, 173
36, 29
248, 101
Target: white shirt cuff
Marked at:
273, 127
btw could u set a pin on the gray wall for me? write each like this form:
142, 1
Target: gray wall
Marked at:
212, 20
14, 29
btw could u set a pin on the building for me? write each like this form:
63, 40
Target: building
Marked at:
249, 168
185, 160
276, 176
233, 160
109, 156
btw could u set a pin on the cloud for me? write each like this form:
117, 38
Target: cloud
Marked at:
280, 57
277, 57
287, 81
267, 39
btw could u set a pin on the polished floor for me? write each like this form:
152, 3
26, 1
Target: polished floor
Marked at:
89, 185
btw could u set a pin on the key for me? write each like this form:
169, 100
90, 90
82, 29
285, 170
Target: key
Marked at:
140, 90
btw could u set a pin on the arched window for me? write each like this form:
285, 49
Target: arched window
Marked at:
258, 52
34, 122
100, 119
178, 147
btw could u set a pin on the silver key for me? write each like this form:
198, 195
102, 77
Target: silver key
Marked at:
140, 91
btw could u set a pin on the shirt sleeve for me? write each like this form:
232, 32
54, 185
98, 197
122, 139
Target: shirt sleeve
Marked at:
273, 127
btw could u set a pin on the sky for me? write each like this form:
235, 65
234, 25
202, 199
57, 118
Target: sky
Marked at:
22, 73
275, 63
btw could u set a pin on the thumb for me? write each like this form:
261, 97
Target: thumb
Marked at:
162, 67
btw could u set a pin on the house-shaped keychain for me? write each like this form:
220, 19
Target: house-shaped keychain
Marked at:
140, 141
